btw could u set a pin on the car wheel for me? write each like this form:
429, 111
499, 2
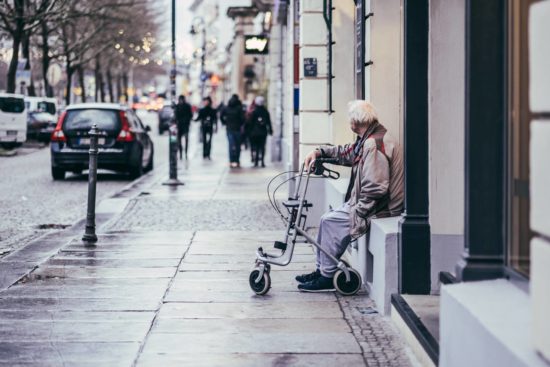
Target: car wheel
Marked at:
136, 170
149, 166
58, 173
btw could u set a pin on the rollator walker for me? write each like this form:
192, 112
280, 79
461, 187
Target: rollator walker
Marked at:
347, 281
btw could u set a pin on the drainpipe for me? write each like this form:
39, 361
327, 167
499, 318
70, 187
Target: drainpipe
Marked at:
327, 16
281, 84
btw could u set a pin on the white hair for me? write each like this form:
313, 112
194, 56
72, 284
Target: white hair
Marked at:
362, 112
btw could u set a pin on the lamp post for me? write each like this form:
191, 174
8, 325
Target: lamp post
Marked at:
173, 130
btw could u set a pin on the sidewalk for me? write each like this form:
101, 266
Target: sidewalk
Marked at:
167, 285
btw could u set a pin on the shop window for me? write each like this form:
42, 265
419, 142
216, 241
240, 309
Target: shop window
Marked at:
519, 232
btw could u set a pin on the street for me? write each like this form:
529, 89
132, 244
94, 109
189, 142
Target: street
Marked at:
32, 203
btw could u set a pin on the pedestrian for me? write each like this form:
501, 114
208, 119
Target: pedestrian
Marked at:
209, 125
233, 118
259, 126
375, 189
184, 115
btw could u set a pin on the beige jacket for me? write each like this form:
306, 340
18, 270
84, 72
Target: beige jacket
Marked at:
376, 186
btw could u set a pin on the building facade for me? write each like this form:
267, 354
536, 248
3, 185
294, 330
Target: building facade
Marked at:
463, 86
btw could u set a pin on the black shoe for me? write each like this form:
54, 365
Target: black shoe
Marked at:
321, 284
304, 278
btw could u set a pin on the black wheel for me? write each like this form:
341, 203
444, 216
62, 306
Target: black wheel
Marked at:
58, 173
149, 166
347, 288
262, 287
136, 171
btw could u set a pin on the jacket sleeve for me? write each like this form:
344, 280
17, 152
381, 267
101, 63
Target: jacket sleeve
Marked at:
344, 153
375, 181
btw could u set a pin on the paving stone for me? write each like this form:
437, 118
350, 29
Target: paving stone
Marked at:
102, 272
73, 331
99, 316
238, 326
90, 304
114, 263
309, 310
151, 359
118, 354
267, 342
151, 253
273, 296
136, 292
11, 272
239, 258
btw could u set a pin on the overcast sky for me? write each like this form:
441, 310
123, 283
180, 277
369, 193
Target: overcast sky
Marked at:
184, 41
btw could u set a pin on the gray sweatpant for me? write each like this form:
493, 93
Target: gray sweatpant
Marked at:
333, 228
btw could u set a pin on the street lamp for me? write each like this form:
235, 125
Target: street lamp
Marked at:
173, 130
193, 32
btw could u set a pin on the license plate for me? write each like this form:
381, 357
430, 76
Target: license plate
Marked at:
11, 132
86, 141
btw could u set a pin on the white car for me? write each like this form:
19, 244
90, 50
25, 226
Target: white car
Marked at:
13, 120
41, 104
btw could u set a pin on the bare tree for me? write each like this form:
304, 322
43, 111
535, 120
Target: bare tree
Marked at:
18, 19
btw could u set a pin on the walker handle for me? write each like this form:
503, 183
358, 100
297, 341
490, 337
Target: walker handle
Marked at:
319, 168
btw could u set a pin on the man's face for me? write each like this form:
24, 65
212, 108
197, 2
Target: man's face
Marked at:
354, 126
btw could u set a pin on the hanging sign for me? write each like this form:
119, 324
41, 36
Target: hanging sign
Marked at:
256, 45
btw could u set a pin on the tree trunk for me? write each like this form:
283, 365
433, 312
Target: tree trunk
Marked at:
26, 48
12, 70
119, 87
46, 60
125, 82
96, 76
82, 83
19, 7
68, 91
110, 85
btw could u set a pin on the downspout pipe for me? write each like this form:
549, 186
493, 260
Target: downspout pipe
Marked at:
327, 16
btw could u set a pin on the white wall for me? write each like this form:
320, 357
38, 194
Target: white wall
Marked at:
446, 134
386, 52
539, 59
343, 55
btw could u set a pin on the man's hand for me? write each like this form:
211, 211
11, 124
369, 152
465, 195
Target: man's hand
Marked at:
310, 158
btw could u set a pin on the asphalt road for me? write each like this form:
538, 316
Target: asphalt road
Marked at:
32, 204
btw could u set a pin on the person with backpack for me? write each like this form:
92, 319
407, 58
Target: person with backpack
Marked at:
233, 118
259, 126
184, 114
208, 118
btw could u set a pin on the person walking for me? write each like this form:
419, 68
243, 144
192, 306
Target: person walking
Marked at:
259, 126
209, 125
233, 118
184, 115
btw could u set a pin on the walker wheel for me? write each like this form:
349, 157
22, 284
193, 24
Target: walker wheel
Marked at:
262, 287
347, 288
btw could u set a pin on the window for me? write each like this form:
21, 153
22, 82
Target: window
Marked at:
84, 119
12, 105
519, 116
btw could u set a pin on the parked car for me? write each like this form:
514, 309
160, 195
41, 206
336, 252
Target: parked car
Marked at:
41, 104
13, 120
40, 126
124, 142
166, 114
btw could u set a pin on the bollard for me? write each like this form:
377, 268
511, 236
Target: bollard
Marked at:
173, 141
89, 234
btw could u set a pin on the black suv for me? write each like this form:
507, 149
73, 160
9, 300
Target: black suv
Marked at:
124, 143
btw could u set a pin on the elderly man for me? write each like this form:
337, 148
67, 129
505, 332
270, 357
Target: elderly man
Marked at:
375, 190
